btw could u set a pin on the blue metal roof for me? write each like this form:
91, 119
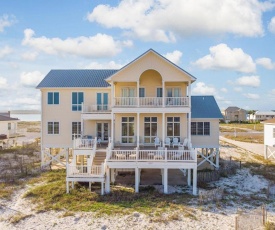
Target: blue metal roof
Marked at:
76, 78
205, 107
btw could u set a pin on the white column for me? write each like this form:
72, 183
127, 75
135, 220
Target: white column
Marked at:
102, 188
265, 152
189, 127
137, 129
165, 178
189, 93
188, 177
136, 180
107, 181
112, 129
195, 181
162, 179
90, 185
163, 128
138, 93
163, 93
82, 127
112, 94
67, 187
217, 158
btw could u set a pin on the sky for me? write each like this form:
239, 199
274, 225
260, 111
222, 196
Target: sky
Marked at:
228, 45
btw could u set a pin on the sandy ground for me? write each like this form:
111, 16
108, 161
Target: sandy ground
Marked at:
209, 216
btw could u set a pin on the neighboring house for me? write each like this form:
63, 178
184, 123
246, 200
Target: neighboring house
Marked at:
144, 113
234, 113
269, 138
8, 125
264, 115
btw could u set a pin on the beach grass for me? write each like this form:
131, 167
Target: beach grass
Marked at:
51, 195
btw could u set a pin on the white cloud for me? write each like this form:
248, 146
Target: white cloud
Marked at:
174, 57
5, 51
202, 89
100, 45
31, 79
273, 91
109, 65
238, 89
3, 83
266, 63
30, 56
251, 95
222, 57
6, 21
224, 90
253, 81
271, 25
163, 20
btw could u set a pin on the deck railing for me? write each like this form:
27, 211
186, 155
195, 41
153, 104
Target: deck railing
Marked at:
100, 108
80, 143
85, 171
152, 155
151, 101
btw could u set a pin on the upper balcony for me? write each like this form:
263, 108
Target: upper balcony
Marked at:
151, 102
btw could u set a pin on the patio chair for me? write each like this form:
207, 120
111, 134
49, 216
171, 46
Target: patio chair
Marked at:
185, 143
167, 142
157, 142
99, 141
175, 142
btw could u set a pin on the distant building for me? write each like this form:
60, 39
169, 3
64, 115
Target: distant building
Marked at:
8, 125
233, 113
269, 138
264, 115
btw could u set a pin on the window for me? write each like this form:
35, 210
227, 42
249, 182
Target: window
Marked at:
9, 126
150, 129
159, 92
53, 98
53, 127
141, 92
127, 129
77, 100
200, 128
173, 127
273, 132
76, 129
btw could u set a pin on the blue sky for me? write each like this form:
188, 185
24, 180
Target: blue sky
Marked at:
228, 45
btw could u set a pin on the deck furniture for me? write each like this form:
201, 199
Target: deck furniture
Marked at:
157, 142
167, 142
175, 142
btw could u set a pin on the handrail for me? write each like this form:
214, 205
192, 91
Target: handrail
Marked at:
96, 108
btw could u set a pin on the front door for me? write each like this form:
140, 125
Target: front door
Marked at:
102, 131
102, 101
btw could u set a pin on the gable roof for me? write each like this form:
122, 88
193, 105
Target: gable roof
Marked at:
5, 118
164, 58
205, 107
76, 78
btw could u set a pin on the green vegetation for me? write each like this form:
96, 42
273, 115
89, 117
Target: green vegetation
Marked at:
256, 127
258, 139
51, 195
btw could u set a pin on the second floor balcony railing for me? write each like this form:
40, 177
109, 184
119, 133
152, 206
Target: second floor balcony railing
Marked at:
96, 108
151, 102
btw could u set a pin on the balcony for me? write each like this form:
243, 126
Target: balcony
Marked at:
96, 108
151, 102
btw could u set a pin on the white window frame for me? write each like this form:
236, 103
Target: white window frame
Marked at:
173, 126
151, 137
76, 134
128, 137
53, 123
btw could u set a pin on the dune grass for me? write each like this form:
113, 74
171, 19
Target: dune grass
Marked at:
51, 195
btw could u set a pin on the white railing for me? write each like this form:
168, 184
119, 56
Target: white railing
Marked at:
151, 101
79, 143
176, 101
85, 171
96, 108
125, 101
152, 155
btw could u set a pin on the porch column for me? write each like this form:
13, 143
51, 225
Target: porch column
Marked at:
137, 129
67, 187
189, 93
195, 181
82, 127
112, 130
136, 180
163, 128
188, 177
138, 93
265, 151
217, 157
189, 127
107, 181
112, 94
165, 180
163, 93
112, 175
